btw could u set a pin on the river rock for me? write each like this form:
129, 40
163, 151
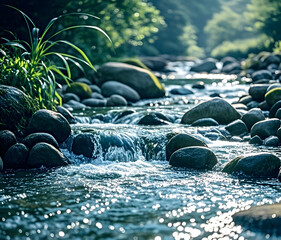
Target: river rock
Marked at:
96, 95
194, 157
258, 91
264, 106
116, 100
83, 80
110, 88
70, 96
85, 144
16, 109
82, 90
154, 63
154, 119
93, 102
95, 89
273, 86
265, 218
199, 85
258, 165
205, 122
141, 80
68, 116
34, 138
7, 139
50, 122
206, 66
273, 96
278, 114
16, 157
272, 141
271, 59
245, 99
44, 154
232, 68
265, 128
216, 108
261, 74
274, 109
181, 91
256, 140
228, 60
181, 141
253, 116
74, 105
237, 128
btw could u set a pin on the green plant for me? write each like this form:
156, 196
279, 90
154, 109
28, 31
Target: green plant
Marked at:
29, 65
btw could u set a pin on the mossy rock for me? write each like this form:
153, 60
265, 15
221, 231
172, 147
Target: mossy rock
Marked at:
82, 90
16, 109
135, 62
273, 96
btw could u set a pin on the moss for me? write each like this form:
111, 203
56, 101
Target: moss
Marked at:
82, 90
156, 82
135, 62
230, 167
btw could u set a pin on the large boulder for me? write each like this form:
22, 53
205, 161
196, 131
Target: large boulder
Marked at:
16, 157
112, 87
216, 108
50, 122
194, 157
82, 90
34, 138
182, 140
44, 154
265, 128
16, 108
265, 218
206, 66
7, 139
141, 80
258, 165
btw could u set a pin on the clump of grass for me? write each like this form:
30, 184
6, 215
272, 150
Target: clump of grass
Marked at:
28, 65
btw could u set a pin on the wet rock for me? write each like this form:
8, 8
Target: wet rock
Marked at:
274, 109
110, 88
240, 106
70, 96
16, 157
1, 164
7, 139
138, 63
258, 165
253, 116
265, 128
271, 59
232, 68
213, 95
205, 122
126, 113
16, 109
206, 66
272, 141
217, 108
68, 116
34, 138
154, 119
256, 140
82, 90
199, 85
76, 105
44, 154
246, 99
236, 139
95, 89
273, 86
278, 113
85, 144
92, 102
154, 63
214, 136
116, 100
261, 74
83, 80
141, 80
97, 96
194, 157
252, 104
273, 96
279, 133
181, 141
264, 106
237, 128
50, 122
265, 218
181, 91
257, 91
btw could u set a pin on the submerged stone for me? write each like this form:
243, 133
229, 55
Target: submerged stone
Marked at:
201, 158
85, 144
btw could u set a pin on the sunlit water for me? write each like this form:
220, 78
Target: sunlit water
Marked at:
129, 191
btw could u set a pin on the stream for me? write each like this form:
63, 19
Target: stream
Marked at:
129, 191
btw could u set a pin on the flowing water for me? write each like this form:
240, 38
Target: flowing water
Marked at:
129, 191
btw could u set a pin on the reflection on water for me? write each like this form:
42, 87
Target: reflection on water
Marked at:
130, 191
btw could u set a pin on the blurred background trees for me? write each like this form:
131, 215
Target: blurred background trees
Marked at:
152, 27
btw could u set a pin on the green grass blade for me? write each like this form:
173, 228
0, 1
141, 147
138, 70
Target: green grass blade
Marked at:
65, 64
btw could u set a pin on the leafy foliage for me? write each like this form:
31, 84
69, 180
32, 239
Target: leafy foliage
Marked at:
29, 67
